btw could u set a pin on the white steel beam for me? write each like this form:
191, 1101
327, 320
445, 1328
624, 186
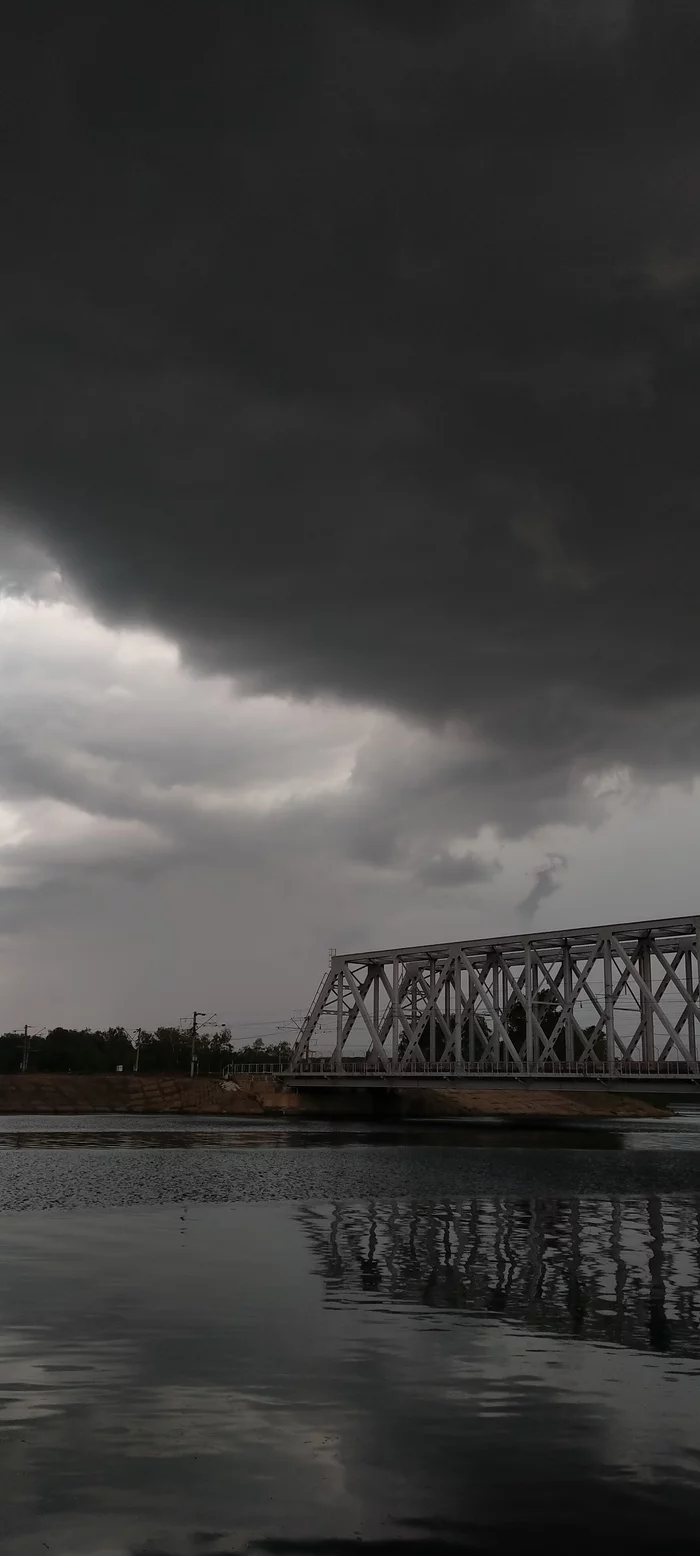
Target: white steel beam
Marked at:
495, 1017
398, 1015
663, 1018
376, 1041
517, 986
450, 1005
339, 1022
458, 1009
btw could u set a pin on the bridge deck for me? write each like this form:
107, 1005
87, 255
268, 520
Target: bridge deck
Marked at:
320, 1074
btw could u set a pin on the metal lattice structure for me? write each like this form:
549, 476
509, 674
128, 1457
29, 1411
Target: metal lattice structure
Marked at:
623, 999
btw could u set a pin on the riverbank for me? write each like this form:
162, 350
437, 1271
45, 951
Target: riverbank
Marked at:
253, 1095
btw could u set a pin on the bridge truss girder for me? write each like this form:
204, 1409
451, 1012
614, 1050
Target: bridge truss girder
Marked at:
615, 997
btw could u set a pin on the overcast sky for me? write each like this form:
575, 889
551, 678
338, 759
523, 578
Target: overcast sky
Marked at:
350, 472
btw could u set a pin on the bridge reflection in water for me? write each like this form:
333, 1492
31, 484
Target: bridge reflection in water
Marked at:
621, 1272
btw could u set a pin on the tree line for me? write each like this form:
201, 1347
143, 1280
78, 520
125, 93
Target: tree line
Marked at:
167, 1051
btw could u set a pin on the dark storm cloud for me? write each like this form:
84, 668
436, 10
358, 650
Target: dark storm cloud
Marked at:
357, 347
547, 880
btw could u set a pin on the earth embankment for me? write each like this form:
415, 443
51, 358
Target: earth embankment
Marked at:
252, 1095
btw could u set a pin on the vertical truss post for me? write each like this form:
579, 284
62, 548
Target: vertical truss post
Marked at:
431, 1038
496, 997
535, 1009
529, 1029
646, 1009
375, 982
505, 1002
395, 1016
690, 986
458, 1009
339, 1024
568, 989
471, 1020
609, 1005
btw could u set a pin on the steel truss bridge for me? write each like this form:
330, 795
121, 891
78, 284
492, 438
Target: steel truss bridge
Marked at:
612, 1005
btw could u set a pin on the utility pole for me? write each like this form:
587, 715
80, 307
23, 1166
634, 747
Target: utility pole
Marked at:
26, 1045
199, 1017
138, 1050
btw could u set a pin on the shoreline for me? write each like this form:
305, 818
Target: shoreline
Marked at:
265, 1097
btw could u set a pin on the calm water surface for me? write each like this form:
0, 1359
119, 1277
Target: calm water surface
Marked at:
221, 1338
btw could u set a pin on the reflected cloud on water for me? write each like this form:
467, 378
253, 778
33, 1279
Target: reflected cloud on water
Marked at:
39, 1380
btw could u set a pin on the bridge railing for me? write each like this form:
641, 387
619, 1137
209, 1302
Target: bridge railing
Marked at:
371, 1070
254, 1069
587, 1067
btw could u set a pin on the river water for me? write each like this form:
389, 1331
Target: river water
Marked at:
231, 1337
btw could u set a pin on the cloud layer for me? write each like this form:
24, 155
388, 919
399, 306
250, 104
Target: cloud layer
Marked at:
361, 358
167, 839
352, 353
